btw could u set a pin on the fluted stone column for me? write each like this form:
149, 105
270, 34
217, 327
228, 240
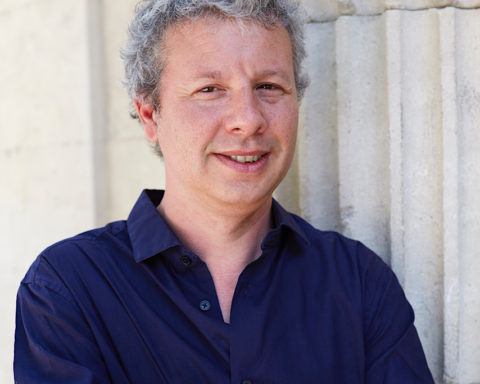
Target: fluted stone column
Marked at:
389, 153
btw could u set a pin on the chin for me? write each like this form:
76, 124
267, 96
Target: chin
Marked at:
245, 195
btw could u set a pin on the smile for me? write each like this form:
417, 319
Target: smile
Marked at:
245, 159
252, 163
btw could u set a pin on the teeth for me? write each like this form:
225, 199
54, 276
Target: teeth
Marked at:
245, 159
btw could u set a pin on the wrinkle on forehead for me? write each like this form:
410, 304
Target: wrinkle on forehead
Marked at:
184, 28
199, 36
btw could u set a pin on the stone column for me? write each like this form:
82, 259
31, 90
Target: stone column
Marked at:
389, 153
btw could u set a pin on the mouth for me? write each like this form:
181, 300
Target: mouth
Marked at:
245, 163
245, 159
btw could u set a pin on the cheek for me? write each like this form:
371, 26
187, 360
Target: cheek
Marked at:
186, 133
196, 122
285, 119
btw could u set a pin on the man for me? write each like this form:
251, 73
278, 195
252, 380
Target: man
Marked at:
211, 281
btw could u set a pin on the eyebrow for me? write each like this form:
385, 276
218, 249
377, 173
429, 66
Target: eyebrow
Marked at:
266, 73
208, 75
274, 72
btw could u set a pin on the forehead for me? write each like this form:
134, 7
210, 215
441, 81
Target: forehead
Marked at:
214, 43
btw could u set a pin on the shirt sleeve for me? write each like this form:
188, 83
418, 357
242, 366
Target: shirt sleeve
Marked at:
53, 343
394, 354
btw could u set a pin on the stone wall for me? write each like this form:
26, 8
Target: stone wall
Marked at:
388, 150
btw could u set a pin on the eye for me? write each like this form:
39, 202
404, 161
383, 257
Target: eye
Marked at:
209, 92
208, 89
267, 86
270, 91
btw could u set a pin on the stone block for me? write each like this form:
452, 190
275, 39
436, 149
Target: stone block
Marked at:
321, 10
367, 7
467, 4
424, 4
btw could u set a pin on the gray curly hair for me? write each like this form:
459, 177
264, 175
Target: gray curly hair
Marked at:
143, 53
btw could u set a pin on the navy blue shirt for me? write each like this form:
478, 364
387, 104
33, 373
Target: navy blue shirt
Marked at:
127, 303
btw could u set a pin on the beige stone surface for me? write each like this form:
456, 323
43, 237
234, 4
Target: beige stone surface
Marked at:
424, 4
467, 4
422, 177
329, 10
366, 7
451, 296
394, 76
321, 10
45, 86
468, 101
318, 141
46, 187
363, 131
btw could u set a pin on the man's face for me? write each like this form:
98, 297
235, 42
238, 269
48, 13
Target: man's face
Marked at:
228, 113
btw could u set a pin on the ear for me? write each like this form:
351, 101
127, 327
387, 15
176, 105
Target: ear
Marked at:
146, 112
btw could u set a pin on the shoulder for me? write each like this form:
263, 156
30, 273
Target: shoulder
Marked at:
332, 246
345, 264
351, 267
75, 254
357, 267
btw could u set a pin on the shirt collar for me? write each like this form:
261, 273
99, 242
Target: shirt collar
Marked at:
148, 230
283, 218
150, 234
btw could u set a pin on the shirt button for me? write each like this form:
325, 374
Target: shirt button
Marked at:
246, 381
205, 305
186, 260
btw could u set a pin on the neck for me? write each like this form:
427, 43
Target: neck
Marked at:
207, 228
226, 237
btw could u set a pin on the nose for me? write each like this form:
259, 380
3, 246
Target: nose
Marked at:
245, 115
